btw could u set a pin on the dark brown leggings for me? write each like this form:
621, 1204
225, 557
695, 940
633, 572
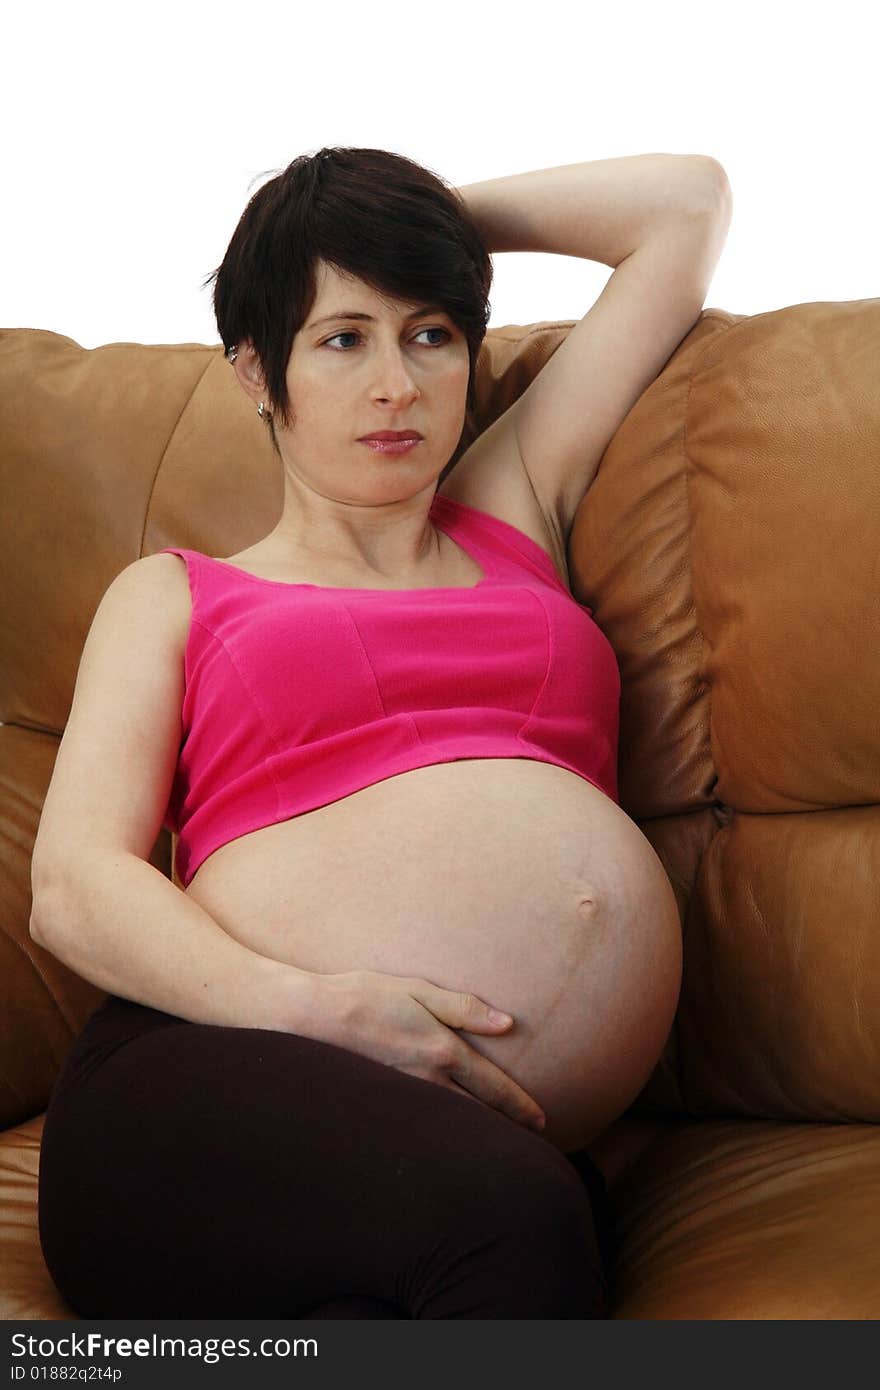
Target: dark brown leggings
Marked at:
191, 1170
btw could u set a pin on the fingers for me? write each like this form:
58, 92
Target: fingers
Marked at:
480, 1077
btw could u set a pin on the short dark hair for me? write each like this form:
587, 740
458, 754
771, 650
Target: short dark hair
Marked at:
371, 213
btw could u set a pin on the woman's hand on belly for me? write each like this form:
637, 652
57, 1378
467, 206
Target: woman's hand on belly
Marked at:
408, 1023
515, 881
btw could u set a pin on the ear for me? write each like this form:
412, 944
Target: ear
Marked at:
249, 372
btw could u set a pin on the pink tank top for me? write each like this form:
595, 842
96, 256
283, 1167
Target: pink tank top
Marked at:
297, 694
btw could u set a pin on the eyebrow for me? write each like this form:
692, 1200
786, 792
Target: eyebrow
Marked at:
353, 314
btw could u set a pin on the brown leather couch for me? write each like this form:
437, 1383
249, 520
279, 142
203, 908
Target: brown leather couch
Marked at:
729, 549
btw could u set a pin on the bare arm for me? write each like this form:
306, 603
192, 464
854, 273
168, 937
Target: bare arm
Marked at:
99, 905
122, 925
601, 210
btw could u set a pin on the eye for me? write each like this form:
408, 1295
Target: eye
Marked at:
352, 333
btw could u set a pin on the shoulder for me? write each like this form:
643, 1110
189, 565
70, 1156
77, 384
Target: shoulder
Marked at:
154, 588
163, 572
490, 475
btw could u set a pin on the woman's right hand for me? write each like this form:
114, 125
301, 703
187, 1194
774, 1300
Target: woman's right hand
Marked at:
408, 1023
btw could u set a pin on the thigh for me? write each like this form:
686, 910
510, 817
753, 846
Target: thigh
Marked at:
195, 1170
360, 1307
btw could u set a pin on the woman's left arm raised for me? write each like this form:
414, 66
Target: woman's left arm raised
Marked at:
601, 210
661, 221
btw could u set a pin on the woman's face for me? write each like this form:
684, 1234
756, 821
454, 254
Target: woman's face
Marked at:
350, 376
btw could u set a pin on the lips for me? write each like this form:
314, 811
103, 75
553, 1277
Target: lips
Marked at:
392, 446
393, 436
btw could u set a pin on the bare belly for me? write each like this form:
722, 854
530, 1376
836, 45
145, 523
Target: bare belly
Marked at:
513, 879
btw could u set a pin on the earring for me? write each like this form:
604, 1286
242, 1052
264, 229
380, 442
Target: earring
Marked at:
232, 354
261, 410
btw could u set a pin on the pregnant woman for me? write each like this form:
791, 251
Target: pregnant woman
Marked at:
386, 737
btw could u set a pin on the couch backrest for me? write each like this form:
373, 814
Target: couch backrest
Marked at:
728, 548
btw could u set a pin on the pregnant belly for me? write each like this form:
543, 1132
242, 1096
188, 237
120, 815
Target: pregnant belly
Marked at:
512, 879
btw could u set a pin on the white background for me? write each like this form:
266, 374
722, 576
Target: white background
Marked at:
134, 136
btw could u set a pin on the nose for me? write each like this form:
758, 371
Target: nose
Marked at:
394, 380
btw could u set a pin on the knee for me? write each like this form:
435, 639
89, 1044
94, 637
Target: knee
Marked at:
521, 1182
538, 1218
537, 1187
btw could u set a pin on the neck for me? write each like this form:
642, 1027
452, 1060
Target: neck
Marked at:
388, 539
